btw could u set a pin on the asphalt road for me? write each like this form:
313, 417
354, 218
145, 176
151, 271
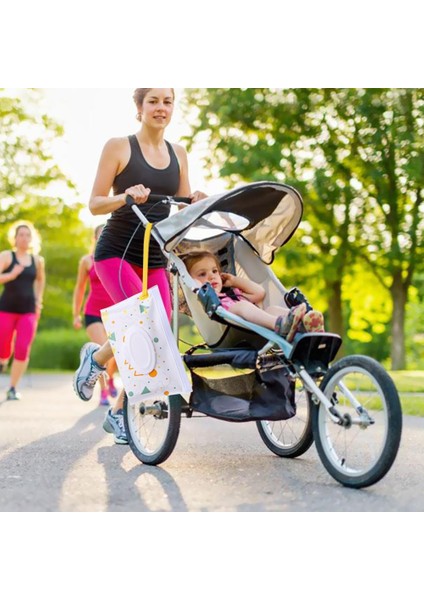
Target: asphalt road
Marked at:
55, 457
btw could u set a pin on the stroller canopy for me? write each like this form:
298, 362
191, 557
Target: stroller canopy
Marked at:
266, 214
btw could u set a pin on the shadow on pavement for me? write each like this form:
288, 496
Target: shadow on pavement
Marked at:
43, 476
139, 488
32, 477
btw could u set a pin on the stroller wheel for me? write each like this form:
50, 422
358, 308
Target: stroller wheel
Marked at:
293, 437
153, 427
361, 449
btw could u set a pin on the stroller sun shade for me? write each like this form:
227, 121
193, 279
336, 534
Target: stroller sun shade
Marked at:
265, 213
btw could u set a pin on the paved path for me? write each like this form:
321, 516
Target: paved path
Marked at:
54, 456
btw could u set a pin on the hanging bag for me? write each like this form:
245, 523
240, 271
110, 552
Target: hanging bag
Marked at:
143, 344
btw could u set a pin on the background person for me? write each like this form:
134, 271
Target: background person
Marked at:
134, 166
97, 299
22, 273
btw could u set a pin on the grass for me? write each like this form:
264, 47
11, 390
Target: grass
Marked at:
410, 385
408, 381
412, 405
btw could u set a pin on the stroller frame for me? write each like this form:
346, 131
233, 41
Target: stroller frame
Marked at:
342, 408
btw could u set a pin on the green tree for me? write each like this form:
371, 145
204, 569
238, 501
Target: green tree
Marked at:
356, 156
387, 157
28, 174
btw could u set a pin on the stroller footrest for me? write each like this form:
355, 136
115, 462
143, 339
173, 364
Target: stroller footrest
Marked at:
315, 349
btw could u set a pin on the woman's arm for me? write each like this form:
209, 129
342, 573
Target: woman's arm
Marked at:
114, 158
39, 284
252, 291
79, 290
110, 164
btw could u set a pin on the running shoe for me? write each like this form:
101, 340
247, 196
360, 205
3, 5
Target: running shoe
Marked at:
104, 398
12, 394
88, 372
114, 423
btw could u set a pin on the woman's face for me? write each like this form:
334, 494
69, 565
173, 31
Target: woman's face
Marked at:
23, 238
158, 107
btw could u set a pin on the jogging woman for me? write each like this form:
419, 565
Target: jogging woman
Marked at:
136, 166
23, 277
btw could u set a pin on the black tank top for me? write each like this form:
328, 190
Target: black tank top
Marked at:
123, 223
18, 295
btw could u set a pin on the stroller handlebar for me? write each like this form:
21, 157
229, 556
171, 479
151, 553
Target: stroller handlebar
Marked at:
171, 200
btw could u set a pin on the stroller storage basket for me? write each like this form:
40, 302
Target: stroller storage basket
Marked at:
261, 394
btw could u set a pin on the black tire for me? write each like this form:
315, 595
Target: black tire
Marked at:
152, 437
293, 437
356, 455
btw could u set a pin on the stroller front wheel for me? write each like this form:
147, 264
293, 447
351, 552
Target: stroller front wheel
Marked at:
359, 451
153, 427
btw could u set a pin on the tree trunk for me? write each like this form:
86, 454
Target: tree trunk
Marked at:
399, 295
335, 312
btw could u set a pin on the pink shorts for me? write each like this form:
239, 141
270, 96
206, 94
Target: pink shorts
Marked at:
123, 280
17, 334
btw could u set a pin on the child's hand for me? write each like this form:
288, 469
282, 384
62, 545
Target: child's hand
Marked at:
228, 280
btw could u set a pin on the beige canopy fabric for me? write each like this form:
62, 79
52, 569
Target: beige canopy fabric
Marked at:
265, 213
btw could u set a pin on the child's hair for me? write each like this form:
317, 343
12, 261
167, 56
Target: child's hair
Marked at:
193, 257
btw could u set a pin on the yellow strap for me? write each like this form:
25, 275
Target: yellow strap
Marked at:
145, 293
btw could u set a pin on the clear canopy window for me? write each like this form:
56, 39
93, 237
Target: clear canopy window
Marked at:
211, 224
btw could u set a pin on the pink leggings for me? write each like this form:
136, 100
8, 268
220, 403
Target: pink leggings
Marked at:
25, 327
123, 280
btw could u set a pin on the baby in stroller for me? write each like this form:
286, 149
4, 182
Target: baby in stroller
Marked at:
241, 297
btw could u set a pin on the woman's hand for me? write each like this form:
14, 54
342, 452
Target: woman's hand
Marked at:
16, 271
78, 322
38, 308
196, 196
138, 193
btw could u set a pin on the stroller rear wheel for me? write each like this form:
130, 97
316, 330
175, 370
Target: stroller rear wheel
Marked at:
153, 427
293, 437
359, 451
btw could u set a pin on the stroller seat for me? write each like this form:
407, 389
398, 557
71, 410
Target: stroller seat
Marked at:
236, 257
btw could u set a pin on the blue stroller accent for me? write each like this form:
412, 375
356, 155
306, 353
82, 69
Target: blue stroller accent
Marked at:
351, 410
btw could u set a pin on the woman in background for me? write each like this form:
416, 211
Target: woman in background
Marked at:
97, 299
22, 274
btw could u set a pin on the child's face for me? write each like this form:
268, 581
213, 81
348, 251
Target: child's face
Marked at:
206, 271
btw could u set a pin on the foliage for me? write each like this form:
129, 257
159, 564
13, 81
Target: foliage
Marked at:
57, 350
28, 176
357, 157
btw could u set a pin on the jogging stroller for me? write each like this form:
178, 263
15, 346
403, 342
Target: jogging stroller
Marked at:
245, 372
